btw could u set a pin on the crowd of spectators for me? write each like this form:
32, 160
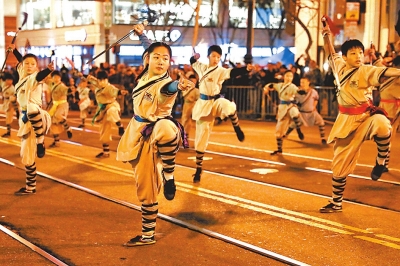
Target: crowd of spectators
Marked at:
124, 77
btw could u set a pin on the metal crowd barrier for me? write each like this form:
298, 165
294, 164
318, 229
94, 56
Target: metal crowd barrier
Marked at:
252, 104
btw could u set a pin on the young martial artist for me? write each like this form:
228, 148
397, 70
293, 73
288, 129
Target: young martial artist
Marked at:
8, 90
307, 104
389, 97
84, 100
211, 105
29, 78
287, 109
152, 137
58, 109
358, 120
34, 121
189, 99
108, 111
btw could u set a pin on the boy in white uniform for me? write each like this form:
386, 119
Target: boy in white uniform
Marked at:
189, 100
108, 110
84, 100
8, 90
389, 93
211, 105
358, 120
287, 109
34, 121
307, 104
152, 137
58, 109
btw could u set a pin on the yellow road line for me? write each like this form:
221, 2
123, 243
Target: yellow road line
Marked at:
378, 241
236, 201
261, 210
267, 206
388, 237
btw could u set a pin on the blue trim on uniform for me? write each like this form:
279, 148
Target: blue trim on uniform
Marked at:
140, 119
24, 116
209, 97
285, 102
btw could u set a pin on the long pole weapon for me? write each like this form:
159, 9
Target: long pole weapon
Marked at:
151, 17
145, 23
331, 50
14, 38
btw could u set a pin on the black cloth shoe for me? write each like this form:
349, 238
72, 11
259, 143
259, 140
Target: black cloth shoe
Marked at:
169, 189
81, 126
54, 145
197, 175
6, 135
330, 208
277, 152
69, 134
300, 134
103, 155
140, 241
377, 171
121, 131
23, 191
40, 150
239, 133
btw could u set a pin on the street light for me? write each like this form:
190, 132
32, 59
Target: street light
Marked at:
248, 58
107, 6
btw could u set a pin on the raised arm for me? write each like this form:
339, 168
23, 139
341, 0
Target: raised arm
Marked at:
138, 29
326, 33
45, 72
11, 48
183, 84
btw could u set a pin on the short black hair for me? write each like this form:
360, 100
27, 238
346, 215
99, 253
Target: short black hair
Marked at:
7, 76
102, 75
350, 44
214, 48
55, 73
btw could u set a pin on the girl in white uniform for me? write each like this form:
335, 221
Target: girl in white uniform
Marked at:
152, 137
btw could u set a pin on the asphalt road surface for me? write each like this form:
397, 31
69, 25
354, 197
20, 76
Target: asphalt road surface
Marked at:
250, 208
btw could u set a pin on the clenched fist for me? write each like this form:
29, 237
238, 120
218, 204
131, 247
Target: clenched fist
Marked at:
185, 84
51, 66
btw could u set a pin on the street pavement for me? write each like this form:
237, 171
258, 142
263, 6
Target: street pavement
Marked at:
275, 207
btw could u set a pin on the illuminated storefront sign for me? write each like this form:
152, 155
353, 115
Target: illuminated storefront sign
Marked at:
160, 35
75, 35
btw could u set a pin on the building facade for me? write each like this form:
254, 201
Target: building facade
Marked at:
76, 31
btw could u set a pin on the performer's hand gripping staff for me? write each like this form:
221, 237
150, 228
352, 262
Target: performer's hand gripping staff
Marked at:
328, 46
185, 84
10, 49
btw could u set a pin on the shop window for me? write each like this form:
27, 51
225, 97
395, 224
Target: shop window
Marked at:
175, 12
74, 13
267, 14
39, 14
